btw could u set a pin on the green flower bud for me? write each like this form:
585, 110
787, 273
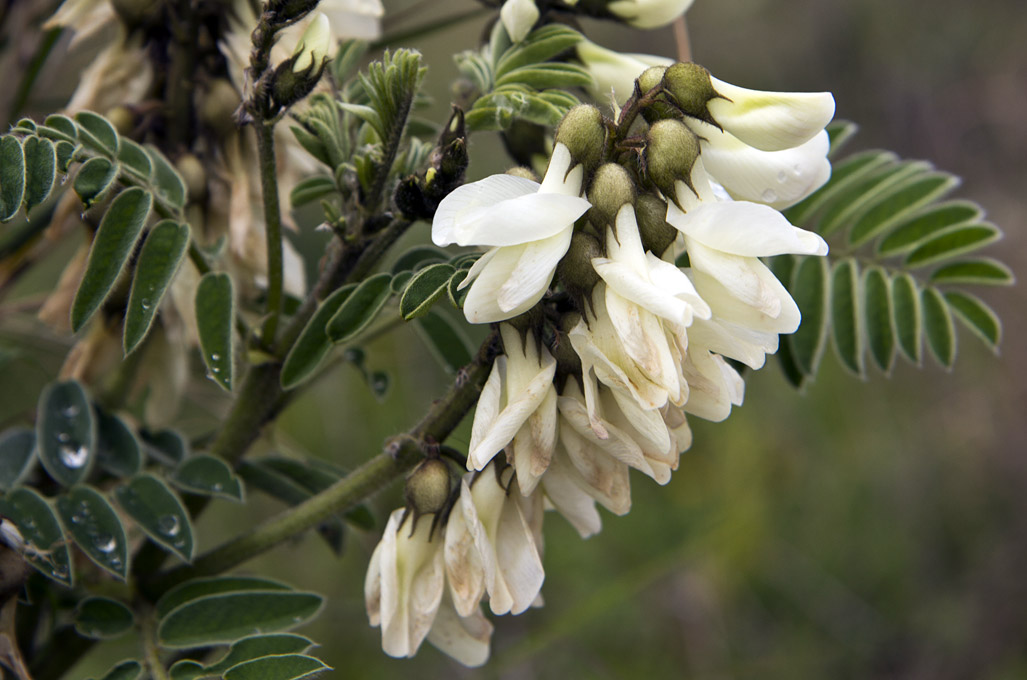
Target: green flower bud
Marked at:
428, 487
611, 188
193, 175
670, 152
575, 271
583, 132
690, 87
651, 215
218, 106
650, 78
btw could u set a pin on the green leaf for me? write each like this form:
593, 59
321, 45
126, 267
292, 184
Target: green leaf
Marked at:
846, 315
878, 315
168, 182
134, 157
983, 271
258, 646
45, 546
96, 132
96, 528
66, 432
215, 313
117, 448
311, 189
809, 289
102, 618
938, 327
198, 588
840, 132
227, 617
954, 242
456, 294
125, 670
163, 251
856, 199
12, 177
94, 180
359, 309
976, 316
40, 170
418, 257
545, 76
208, 475
167, 447
908, 316
427, 286
119, 230
926, 223
900, 201
26, 124
65, 155
313, 344
280, 667
538, 46
400, 281
158, 512
64, 126
17, 449
186, 669
447, 343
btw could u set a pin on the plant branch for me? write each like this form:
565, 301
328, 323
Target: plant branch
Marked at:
272, 227
401, 454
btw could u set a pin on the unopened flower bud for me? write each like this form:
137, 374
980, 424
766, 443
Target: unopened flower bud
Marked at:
611, 188
648, 13
575, 271
523, 172
193, 175
218, 106
650, 78
518, 17
691, 89
670, 152
428, 487
583, 132
657, 235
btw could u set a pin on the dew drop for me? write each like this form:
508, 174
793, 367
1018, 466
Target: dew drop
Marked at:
169, 525
105, 543
215, 370
180, 543
217, 487
145, 304
769, 196
70, 411
63, 437
114, 562
782, 177
60, 570
73, 457
215, 357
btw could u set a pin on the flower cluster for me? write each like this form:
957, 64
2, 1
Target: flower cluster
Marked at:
627, 286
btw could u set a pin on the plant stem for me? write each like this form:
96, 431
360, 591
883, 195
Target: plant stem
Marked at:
151, 653
179, 88
272, 227
32, 69
401, 453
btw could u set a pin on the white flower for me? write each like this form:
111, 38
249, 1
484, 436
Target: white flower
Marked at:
84, 17
490, 545
713, 386
615, 73
404, 583
771, 121
314, 44
517, 410
778, 178
649, 13
724, 241
518, 16
528, 228
465, 638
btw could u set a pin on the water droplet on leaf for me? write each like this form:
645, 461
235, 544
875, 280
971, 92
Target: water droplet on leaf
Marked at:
169, 525
73, 457
105, 543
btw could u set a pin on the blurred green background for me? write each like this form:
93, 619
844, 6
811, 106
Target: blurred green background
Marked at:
864, 529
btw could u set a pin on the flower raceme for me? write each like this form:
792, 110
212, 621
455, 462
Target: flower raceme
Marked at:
599, 370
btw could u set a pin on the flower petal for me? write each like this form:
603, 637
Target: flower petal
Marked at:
770, 120
743, 228
531, 277
465, 638
458, 209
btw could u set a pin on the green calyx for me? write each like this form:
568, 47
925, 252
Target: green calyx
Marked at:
671, 151
611, 188
583, 132
689, 85
428, 487
651, 213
